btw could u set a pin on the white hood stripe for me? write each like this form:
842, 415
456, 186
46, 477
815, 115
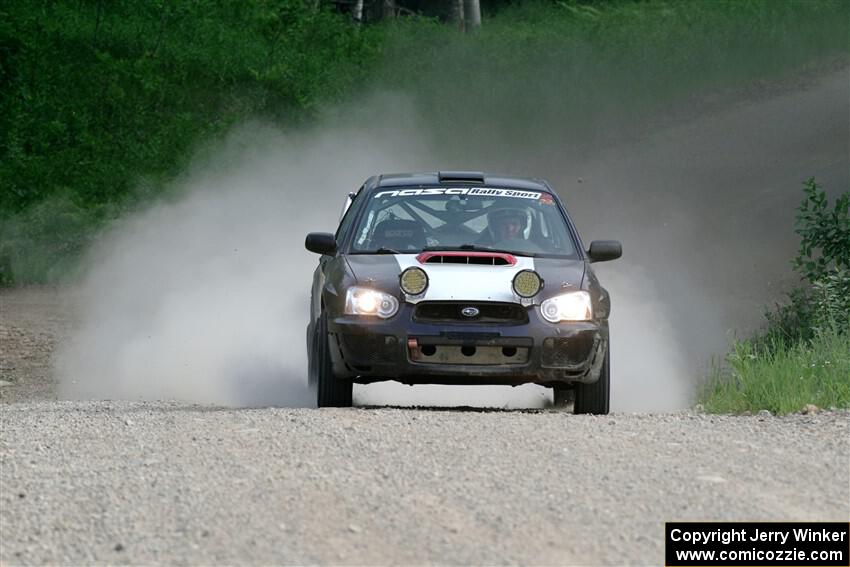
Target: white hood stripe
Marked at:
467, 282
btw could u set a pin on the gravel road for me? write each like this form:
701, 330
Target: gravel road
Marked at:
32, 322
157, 482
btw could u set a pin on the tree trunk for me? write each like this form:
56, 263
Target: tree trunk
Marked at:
472, 9
97, 22
458, 15
161, 35
357, 11
388, 9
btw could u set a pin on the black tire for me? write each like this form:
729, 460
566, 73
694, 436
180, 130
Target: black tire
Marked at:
563, 395
312, 360
594, 398
331, 392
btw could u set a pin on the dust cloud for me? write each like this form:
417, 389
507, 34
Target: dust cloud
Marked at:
204, 298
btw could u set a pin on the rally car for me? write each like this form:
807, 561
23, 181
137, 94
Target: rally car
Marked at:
459, 278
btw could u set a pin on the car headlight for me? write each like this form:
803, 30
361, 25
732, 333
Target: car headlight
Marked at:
365, 301
573, 306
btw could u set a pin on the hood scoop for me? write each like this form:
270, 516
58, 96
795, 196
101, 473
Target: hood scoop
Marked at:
467, 258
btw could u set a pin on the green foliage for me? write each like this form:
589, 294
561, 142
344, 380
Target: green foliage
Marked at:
803, 355
831, 300
823, 262
783, 380
824, 234
823, 304
788, 324
97, 92
45, 240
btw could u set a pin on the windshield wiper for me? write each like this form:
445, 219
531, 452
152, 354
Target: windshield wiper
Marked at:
474, 247
385, 250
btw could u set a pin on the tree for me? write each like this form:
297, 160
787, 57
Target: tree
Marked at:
472, 13
465, 13
458, 14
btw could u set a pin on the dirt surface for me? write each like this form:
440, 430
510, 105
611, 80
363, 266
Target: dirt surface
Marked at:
32, 321
150, 483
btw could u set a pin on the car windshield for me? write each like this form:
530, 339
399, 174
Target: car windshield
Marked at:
408, 221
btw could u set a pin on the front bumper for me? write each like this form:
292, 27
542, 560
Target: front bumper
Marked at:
373, 350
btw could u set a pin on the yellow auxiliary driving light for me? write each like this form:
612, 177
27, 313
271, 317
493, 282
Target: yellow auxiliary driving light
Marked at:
527, 283
414, 281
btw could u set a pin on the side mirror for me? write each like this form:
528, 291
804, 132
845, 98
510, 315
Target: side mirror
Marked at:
604, 250
321, 243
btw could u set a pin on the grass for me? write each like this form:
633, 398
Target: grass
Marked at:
783, 379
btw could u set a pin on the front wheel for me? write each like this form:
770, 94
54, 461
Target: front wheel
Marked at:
563, 395
331, 391
594, 398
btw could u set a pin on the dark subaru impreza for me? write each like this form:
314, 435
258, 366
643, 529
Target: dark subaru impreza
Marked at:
459, 278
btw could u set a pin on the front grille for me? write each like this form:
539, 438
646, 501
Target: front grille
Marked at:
570, 351
489, 313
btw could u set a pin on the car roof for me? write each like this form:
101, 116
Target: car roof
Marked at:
456, 178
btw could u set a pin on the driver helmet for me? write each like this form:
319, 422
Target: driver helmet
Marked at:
507, 223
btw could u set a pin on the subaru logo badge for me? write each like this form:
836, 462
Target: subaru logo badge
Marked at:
470, 312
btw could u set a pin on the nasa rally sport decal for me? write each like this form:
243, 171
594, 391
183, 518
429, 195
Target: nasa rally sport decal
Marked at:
471, 191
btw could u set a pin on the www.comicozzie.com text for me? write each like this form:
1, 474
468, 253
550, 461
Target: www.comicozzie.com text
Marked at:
726, 536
